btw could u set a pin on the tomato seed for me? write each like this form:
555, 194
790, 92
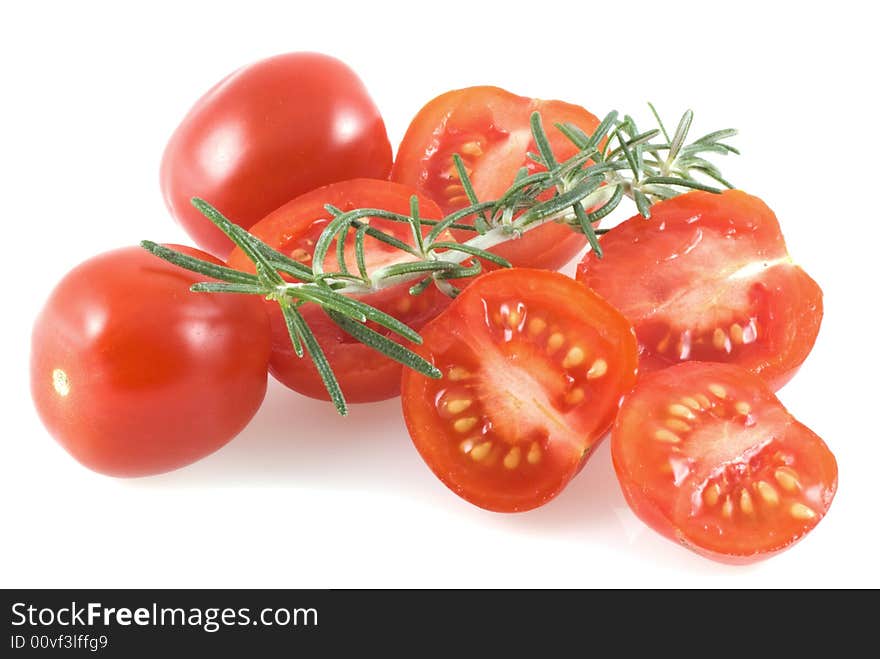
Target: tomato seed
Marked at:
719, 339
677, 424
677, 409
742, 407
511, 460
537, 325
458, 406
767, 492
787, 478
801, 511
712, 494
471, 149
598, 369
704, 402
555, 342
736, 333
745, 503
574, 357
534, 455
717, 390
481, 450
667, 436
465, 424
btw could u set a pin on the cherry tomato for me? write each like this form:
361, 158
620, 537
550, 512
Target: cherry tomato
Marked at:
708, 456
489, 128
534, 365
363, 373
267, 133
135, 375
708, 278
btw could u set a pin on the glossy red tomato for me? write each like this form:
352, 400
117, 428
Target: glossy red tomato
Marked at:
534, 365
135, 375
489, 128
708, 278
363, 373
267, 133
709, 457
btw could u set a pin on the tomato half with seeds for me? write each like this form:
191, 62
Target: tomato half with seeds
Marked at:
269, 132
708, 278
708, 456
533, 365
364, 374
134, 375
489, 128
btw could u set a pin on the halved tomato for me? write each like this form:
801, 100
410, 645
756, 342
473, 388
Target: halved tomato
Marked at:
708, 278
363, 373
534, 365
708, 456
489, 128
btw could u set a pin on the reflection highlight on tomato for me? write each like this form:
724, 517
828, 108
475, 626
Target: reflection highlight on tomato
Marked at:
708, 278
708, 456
135, 375
364, 374
489, 128
534, 365
267, 133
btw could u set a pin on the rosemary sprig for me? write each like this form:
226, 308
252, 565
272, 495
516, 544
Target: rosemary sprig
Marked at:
613, 162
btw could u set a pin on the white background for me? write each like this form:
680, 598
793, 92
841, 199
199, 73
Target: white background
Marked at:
303, 498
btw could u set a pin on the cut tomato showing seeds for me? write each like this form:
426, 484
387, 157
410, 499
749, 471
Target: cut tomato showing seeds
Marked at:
534, 365
708, 278
708, 456
364, 374
489, 128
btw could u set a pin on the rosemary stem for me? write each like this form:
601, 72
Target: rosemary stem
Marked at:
492, 238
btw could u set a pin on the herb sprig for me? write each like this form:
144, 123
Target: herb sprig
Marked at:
615, 161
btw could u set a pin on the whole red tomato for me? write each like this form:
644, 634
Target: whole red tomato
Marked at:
267, 133
135, 375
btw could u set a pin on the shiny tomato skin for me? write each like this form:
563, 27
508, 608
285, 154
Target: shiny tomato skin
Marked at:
267, 133
364, 374
534, 365
135, 375
709, 278
489, 128
707, 456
